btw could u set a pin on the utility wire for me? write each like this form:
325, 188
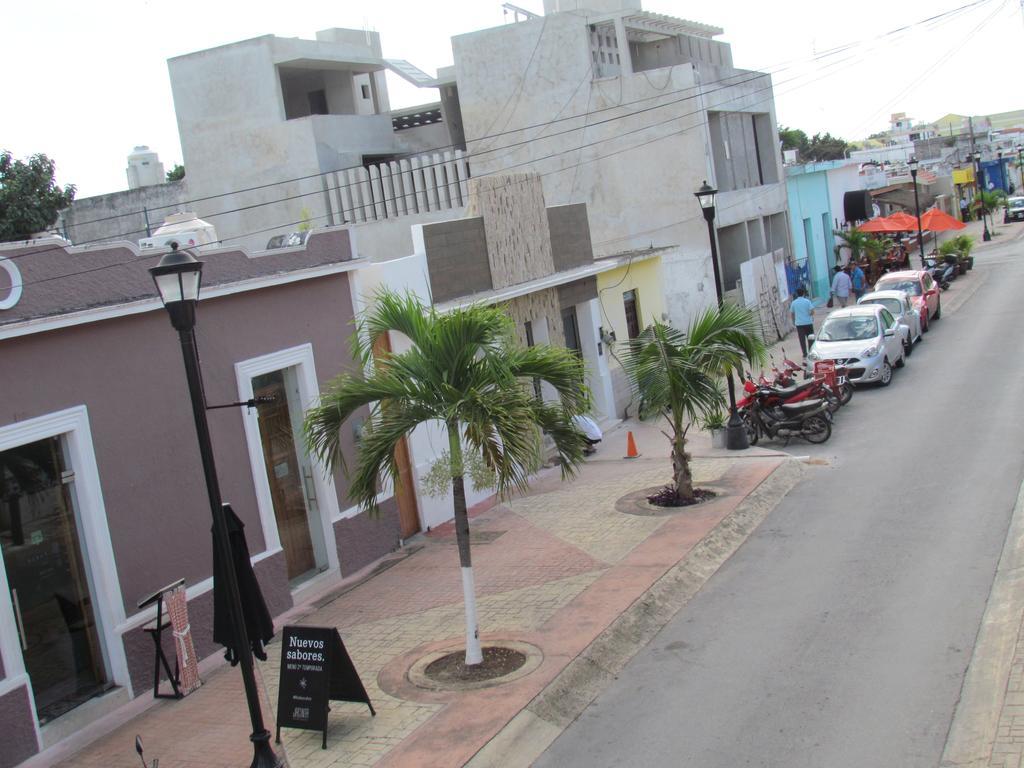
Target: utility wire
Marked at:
502, 170
477, 153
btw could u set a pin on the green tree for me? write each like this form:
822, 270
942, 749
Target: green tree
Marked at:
465, 372
177, 173
794, 138
678, 374
826, 147
29, 197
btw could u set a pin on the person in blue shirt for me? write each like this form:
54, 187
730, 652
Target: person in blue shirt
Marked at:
803, 317
857, 278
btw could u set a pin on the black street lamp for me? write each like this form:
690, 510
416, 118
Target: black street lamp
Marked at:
735, 433
917, 207
177, 278
985, 235
1020, 164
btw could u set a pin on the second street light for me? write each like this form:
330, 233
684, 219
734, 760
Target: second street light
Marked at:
735, 432
985, 235
1020, 165
917, 207
177, 278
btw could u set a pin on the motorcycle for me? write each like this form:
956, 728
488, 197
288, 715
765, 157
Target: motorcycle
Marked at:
775, 394
808, 419
943, 272
843, 388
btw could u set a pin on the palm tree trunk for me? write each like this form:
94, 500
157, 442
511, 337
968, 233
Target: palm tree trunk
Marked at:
474, 654
681, 470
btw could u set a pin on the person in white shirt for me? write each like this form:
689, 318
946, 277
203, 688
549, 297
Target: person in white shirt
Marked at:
841, 286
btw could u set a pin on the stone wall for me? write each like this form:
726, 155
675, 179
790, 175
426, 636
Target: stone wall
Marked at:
516, 224
534, 306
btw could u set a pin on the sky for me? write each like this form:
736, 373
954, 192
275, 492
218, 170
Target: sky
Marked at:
86, 82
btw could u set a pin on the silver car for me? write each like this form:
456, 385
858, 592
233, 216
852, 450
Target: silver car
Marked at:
899, 305
866, 339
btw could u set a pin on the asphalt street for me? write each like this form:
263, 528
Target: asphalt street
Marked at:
839, 634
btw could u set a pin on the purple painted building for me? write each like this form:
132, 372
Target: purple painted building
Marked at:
101, 493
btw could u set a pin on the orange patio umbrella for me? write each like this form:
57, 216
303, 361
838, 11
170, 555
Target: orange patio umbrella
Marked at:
904, 221
879, 224
939, 221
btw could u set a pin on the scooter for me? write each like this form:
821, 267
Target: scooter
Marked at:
808, 419
942, 272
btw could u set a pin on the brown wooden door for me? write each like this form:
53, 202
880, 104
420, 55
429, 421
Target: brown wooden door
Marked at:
284, 475
405, 490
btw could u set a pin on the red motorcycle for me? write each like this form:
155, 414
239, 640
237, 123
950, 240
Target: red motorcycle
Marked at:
837, 381
772, 395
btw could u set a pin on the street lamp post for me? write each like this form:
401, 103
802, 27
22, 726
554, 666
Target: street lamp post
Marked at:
735, 432
1020, 165
917, 207
985, 235
177, 278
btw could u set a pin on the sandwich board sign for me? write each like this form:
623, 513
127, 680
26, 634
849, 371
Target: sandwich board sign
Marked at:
315, 670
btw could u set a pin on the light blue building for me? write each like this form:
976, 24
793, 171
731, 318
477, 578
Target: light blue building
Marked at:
812, 221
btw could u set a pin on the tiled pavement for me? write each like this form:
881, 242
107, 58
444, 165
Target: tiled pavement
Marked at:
561, 564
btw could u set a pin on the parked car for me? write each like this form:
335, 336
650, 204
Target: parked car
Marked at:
922, 289
1014, 210
899, 305
865, 338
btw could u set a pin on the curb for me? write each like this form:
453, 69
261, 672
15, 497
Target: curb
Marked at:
544, 719
975, 726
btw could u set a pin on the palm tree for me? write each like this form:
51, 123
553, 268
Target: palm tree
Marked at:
465, 372
677, 374
855, 241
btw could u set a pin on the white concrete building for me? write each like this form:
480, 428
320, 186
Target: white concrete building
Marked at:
272, 120
304, 127
645, 107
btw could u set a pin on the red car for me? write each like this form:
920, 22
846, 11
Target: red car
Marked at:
923, 292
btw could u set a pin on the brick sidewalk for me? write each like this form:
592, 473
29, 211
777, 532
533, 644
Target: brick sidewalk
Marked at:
554, 568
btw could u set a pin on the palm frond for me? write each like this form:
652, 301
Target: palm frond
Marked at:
565, 373
464, 369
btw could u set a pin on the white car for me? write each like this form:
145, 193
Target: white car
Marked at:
902, 308
865, 339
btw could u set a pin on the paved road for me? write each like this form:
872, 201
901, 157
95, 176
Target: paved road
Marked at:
839, 634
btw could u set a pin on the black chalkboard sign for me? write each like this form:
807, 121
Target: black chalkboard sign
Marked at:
315, 669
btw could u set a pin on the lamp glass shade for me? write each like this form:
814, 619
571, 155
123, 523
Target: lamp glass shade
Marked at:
1019, 148
178, 286
912, 162
706, 195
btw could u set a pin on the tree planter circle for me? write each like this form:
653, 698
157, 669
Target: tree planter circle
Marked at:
504, 661
636, 503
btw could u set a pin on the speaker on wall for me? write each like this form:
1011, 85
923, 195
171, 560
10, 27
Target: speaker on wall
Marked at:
857, 205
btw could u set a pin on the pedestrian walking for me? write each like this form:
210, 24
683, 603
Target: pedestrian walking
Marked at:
857, 280
803, 317
964, 215
841, 286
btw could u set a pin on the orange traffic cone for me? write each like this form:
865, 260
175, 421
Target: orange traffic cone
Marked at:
631, 451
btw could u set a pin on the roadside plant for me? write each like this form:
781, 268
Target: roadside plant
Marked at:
714, 419
677, 375
855, 241
874, 249
964, 244
990, 201
465, 373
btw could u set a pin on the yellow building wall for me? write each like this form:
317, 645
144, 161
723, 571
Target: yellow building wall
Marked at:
645, 278
642, 276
